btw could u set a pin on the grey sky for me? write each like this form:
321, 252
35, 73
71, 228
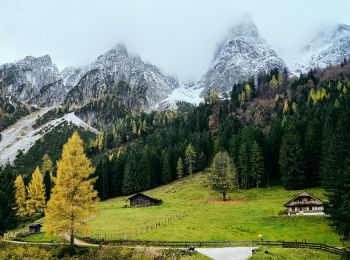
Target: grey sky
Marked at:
179, 36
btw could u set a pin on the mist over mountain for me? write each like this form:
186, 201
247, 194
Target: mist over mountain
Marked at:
242, 54
328, 47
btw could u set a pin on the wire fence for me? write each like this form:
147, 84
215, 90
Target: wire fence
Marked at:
148, 227
230, 243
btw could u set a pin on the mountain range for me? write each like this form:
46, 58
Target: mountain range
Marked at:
243, 53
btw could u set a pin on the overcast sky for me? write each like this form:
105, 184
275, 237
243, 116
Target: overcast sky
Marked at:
179, 36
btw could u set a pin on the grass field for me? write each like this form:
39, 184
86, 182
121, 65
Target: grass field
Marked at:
292, 254
207, 218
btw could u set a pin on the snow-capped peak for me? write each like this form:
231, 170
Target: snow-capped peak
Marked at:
328, 47
243, 54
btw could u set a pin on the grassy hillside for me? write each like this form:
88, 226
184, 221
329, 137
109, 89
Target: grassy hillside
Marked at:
191, 212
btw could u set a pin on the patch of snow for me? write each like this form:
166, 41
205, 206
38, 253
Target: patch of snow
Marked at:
186, 93
22, 135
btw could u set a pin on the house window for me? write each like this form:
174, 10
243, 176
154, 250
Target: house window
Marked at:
310, 208
293, 209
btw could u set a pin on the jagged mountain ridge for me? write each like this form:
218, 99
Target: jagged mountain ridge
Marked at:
38, 81
118, 65
243, 54
28, 78
328, 47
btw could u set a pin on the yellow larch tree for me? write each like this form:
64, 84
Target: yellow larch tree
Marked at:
273, 82
21, 196
73, 199
47, 165
190, 154
36, 193
285, 107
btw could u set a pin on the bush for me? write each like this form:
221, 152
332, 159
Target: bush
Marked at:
283, 212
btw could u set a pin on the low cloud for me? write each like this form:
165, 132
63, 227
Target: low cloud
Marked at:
178, 36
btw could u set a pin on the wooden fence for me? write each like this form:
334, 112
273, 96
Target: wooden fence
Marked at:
231, 243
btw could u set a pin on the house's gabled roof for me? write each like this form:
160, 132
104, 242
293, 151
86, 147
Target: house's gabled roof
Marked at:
304, 194
35, 225
145, 196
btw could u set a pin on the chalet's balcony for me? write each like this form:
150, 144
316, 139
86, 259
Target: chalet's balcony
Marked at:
297, 212
305, 203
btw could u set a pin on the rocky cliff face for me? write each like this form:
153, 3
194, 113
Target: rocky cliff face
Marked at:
243, 54
117, 65
38, 81
27, 79
328, 47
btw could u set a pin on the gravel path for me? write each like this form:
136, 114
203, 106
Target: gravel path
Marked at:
227, 253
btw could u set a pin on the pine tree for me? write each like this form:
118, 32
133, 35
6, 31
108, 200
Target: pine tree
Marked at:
166, 171
244, 165
8, 218
73, 200
103, 178
134, 127
36, 193
134, 178
48, 185
21, 196
257, 163
339, 200
274, 139
190, 154
117, 164
291, 162
313, 146
100, 141
180, 168
223, 177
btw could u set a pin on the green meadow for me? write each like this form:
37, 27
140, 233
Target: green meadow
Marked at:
192, 212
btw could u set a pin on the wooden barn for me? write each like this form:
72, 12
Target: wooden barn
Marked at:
305, 204
142, 200
34, 228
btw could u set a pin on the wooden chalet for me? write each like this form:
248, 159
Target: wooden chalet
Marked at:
142, 200
34, 228
305, 204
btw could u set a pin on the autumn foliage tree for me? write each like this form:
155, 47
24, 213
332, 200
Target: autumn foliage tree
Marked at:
47, 170
36, 193
73, 200
21, 196
190, 158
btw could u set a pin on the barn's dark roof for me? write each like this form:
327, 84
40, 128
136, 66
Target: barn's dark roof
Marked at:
35, 225
145, 196
316, 201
